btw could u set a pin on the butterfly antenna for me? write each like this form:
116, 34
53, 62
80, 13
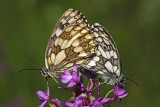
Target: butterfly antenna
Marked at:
134, 82
26, 61
135, 74
29, 70
29, 62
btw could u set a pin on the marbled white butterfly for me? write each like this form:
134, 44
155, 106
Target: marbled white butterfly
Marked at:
106, 63
71, 43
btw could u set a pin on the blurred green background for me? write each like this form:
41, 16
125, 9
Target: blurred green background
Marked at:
26, 25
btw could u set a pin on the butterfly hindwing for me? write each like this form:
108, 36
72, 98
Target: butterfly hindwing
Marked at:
107, 60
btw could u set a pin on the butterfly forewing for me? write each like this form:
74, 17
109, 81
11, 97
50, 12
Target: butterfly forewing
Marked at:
70, 16
71, 43
107, 60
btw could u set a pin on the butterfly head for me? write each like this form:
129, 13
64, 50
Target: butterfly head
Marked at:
122, 79
111, 80
44, 72
48, 73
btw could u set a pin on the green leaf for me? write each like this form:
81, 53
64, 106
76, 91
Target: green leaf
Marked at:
51, 105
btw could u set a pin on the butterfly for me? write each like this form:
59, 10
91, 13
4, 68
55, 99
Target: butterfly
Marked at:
71, 43
74, 42
106, 64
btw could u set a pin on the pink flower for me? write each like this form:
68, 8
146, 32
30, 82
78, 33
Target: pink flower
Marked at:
78, 102
119, 91
72, 79
44, 98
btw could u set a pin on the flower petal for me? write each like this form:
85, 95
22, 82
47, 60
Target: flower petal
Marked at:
108, 100
96, 103
43, 104
79, 98
69, 104
42, 96
79, 77
75, 68
67, 73
66, 77
47, 92
120, 92
75, 77
61, 102
122, 96
115, 87
100, 99
78, 103
71, 84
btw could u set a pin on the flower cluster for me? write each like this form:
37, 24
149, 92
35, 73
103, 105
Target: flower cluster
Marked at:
82, 97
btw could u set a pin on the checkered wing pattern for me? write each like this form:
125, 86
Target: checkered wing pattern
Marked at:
71, 43
107, 59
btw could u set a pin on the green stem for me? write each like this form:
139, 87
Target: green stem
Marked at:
108, 93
